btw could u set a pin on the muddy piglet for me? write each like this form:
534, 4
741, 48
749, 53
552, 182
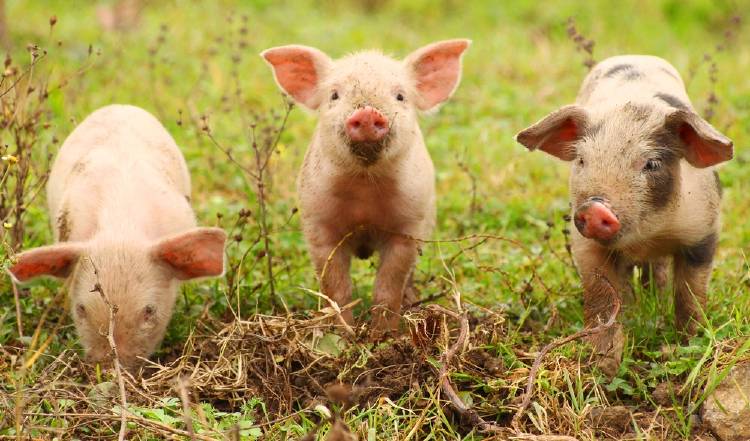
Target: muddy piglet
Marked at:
118, 195
643, 187
367, 182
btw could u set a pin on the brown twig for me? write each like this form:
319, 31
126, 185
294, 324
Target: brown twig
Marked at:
555, 344
115, 358
467, 413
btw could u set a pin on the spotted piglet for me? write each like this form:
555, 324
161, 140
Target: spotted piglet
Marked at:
367, 182
643, 186
118, 194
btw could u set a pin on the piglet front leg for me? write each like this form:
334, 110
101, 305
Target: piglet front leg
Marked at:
332, 266
397, 258
604, 282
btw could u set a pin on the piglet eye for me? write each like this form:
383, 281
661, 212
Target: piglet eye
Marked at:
652, 165
580, 161
81, 310
334, 96
400, 97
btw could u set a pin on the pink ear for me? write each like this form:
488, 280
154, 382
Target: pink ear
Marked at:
437, 70
704, 146
52, 260
195, 253
298, 71
557, 132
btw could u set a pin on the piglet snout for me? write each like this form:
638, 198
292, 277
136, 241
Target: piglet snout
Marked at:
595, 220
367, 125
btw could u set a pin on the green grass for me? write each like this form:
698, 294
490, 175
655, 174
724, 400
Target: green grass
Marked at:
187, 59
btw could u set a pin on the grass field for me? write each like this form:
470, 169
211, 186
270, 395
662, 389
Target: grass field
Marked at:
244, 357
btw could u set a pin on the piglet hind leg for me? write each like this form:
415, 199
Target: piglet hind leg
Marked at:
655, 274
604, 281
397, 259
332, 264
692, 274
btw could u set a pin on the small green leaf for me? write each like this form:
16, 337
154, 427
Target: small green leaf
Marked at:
331, 344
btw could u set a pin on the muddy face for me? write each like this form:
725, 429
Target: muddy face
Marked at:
142, 293
625, 177
367, 102
368, 109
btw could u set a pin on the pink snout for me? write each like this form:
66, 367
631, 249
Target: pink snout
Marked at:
595, 220
367, 125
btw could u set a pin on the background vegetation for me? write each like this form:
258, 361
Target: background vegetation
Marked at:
195, 65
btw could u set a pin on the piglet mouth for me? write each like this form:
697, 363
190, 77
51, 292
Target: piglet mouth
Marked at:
367, 152
367, 132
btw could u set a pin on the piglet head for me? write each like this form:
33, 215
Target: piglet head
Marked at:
368, 102
139, 281
626, 165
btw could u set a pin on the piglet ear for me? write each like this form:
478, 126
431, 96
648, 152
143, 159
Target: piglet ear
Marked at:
557, 132
437, 71
702, 145
53, 260
195, 253
298, 71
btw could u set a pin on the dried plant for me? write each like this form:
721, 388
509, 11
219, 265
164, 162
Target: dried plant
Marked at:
23, 120
728, 40
583, 45
27, 137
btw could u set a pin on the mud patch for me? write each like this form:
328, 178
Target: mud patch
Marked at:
63, 225
615, 419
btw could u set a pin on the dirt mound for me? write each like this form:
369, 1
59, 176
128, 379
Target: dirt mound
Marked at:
292, 362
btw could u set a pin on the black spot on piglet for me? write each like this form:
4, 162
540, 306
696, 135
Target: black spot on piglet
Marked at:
672, 101
702, 253
628, 71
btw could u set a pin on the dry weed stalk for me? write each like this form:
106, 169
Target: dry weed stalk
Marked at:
443, 374
22, 106
115, 358
584, 45
728, 39
24, 146
264, 139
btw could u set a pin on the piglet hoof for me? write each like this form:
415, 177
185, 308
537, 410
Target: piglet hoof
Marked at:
377, 335
608, 349
384, 324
